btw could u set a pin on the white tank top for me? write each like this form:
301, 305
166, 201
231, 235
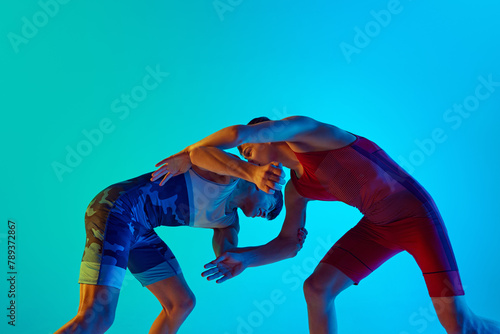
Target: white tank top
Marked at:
208, 202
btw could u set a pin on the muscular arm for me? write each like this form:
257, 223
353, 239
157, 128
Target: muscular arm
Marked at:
286, 244
268, 178
217, 161
225, 238
289, 129
301, 133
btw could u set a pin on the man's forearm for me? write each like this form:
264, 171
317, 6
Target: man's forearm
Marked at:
218, 161
276, 250
220, 249
225, 138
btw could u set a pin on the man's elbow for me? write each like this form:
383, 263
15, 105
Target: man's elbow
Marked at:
296, 250
194, 154
293, 246
238, 134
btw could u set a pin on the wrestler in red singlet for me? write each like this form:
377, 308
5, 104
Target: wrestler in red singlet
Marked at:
399, 214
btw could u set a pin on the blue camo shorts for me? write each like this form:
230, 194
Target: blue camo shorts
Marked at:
115, 240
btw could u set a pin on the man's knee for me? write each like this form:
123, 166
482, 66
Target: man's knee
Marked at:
325, 284
93, 320
188, 303
315, 290
182, 306
98, 313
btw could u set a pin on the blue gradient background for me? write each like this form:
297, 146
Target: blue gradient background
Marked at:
276, 59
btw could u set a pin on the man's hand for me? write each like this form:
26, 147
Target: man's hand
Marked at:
226, 266
269, 178
172, 166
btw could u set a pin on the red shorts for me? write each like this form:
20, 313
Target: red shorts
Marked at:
422, 234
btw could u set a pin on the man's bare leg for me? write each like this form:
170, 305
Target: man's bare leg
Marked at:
96, 311
177, 302
320, 290
456, 317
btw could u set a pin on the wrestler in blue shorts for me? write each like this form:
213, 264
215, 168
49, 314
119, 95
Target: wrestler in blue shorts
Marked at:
120, 223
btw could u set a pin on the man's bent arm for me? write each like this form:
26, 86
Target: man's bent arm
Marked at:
225, 238
217, 161
293, 128
286, 244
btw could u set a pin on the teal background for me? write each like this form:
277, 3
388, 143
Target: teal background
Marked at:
255, 58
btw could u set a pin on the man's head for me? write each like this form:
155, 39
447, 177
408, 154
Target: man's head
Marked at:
257, 203
260, 153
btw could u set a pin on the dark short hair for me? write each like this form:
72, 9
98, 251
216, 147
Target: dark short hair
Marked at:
254, 121
278, 196
258, 120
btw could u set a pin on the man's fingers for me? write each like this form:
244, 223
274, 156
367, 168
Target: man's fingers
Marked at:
270, 176
215, 276
166, 178
158, 173
161, 169
275, 178
279, 178
219, 259
302, 235
205, 273
210, 265
277, 170
209, 272
277, 164
161, 162
273, 185
269, 190
276, 167
223, 279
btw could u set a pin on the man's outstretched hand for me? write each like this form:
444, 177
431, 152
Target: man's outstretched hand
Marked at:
173, 165
230, 264
226, 266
